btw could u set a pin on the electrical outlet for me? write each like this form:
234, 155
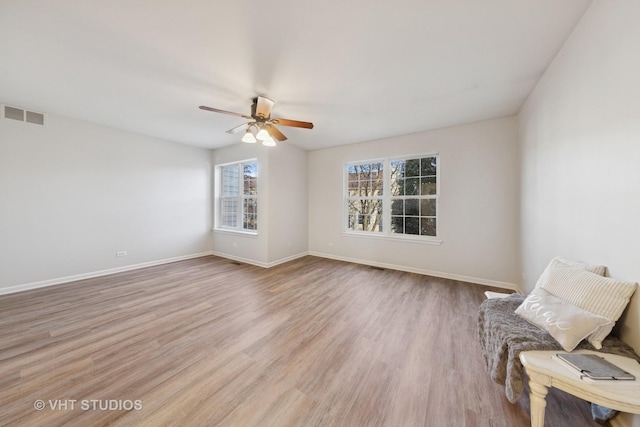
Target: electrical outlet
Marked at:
330, 244
121, 253
235, 245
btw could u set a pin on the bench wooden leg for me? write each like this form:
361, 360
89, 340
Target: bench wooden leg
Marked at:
538, 402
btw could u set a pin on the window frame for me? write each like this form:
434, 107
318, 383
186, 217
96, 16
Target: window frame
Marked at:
241, 198
387, 199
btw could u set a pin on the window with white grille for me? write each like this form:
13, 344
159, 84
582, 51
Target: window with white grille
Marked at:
393, 197
237, 196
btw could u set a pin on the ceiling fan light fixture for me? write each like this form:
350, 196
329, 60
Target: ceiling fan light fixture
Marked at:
261, 126
263, 134
269, 142
248, 137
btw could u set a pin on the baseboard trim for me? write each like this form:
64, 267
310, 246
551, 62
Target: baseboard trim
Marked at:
459, 277
90, 275
61, 280
287, 259
260, 263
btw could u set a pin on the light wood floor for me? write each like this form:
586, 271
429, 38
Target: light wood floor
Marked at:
313, 342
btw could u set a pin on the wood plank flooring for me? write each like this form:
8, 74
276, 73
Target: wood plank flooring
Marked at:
210, 342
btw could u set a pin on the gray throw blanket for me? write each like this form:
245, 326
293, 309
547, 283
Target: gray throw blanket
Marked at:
503, 335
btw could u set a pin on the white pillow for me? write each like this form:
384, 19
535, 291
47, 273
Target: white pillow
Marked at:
603, 296
564, 321
600, 270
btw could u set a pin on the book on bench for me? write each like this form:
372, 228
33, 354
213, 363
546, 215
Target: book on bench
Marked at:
594, 367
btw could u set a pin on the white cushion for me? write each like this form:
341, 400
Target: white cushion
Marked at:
564, 321
603, 296
600, 270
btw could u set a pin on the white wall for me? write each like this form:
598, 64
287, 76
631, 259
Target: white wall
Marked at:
478, 212
73, 193
282, 205
580, 136
288, 203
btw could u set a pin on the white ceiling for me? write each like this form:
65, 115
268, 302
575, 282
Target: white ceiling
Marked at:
358, 69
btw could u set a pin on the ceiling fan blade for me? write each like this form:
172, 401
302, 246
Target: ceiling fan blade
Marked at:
293, 123
275, 132
263, 107
239, 128
215, 110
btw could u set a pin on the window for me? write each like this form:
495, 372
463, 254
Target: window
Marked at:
393, 197
365, 196
237, 196
414, 196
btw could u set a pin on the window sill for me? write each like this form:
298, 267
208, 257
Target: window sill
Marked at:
253, 234
411, 239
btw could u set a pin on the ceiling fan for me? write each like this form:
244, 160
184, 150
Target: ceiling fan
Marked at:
262, 125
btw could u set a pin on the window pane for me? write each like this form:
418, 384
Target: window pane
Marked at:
397, 224
251, 206
397, 207
250, 179
411, 186
397, 178
411, 225
354, 221
427, 226
397, 187
411, 207
377, 178
230, 176
250, 222
366, 189
229, 212
428, 166
428, 207
397, 168
412, 167
428, 186
365, 179
365, 215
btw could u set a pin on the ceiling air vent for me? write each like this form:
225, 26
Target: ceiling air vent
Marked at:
22, 115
